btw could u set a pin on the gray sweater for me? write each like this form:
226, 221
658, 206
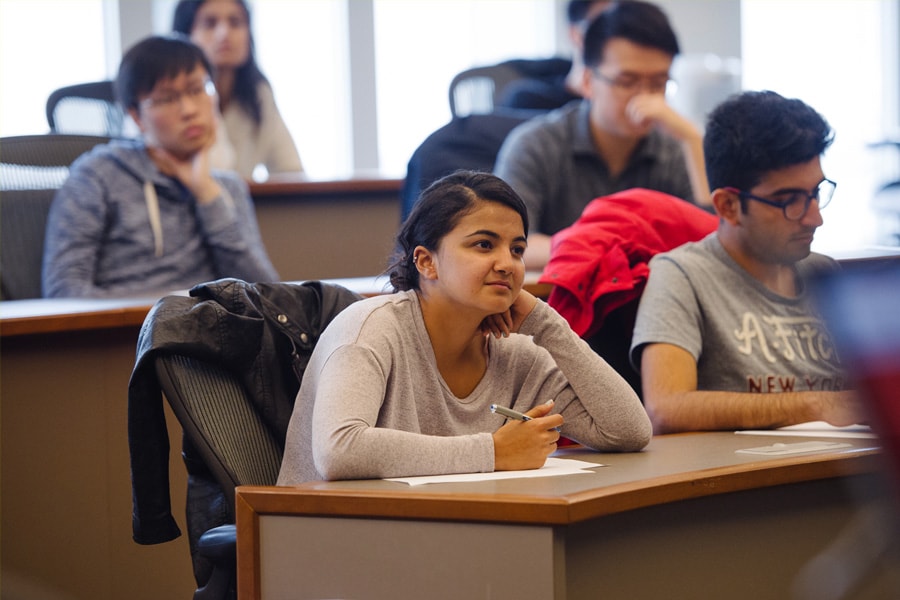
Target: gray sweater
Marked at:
119, 227
373, 404
553, 164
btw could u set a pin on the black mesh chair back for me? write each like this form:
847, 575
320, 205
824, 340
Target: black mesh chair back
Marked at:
32, 167
220, 421
476, 90
38, 162
470, 142
23, 224
221, 424
479, 90
86, 108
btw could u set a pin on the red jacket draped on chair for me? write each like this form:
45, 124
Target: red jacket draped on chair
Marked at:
600, 262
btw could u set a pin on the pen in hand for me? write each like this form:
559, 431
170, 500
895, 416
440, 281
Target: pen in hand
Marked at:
511, 414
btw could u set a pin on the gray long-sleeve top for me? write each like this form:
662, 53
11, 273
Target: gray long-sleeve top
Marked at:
373, 403
119, 227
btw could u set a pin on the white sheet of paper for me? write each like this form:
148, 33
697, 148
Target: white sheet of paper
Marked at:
552, 468
795, 448
816, 429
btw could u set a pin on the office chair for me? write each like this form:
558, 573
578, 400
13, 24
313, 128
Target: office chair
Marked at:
23, 224
229, 358
478, 90
471, 142
87, 108
32, 167
222, 425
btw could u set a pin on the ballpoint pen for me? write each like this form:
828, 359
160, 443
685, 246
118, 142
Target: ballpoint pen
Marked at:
511, 414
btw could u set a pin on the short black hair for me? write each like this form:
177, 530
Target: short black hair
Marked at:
152, 59
577, 10
753, 133
437, 212
641, 23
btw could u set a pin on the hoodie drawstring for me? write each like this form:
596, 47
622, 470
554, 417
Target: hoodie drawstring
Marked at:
153, 211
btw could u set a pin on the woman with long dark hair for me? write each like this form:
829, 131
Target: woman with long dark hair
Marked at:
402, 384
252, 124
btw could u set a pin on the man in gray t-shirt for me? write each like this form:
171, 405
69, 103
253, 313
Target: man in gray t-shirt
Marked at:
726, 336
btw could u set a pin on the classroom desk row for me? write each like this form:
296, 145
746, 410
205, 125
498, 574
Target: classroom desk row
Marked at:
64, 370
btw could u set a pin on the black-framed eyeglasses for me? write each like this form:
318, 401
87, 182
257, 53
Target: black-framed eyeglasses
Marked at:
632, 84
794, 203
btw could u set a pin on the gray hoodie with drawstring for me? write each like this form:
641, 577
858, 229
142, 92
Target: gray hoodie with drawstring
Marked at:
119, 227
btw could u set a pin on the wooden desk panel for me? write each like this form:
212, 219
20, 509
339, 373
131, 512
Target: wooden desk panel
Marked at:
66, 517
319, 229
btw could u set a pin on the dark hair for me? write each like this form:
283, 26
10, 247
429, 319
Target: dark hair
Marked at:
439, 209
577, 10
753, 133
248, 76
638, 22
152, 59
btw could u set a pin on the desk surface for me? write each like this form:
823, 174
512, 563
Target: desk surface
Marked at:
55, 315
673, 467
298, 186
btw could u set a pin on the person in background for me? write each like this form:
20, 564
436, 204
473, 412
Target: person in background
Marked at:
622, 135
148, 215
726, 335
401, 384
254, 132
533, 93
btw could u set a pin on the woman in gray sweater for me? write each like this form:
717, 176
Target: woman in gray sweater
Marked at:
401, 384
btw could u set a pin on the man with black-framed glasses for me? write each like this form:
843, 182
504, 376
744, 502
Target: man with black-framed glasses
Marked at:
727, 336
623, 135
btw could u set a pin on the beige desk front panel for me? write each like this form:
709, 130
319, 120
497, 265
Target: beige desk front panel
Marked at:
377, 558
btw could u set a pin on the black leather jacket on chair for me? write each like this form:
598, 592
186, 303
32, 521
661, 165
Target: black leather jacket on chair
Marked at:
264, 332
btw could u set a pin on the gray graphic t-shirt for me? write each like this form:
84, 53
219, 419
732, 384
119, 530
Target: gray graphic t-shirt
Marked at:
744, 337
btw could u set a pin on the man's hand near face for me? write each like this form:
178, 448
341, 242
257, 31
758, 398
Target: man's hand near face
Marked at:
653, 110
193, 171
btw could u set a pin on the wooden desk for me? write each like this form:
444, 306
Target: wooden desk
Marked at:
66, 518
687, 518
26, 317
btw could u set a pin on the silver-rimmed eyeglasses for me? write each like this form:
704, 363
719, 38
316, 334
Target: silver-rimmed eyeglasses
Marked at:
794, 203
